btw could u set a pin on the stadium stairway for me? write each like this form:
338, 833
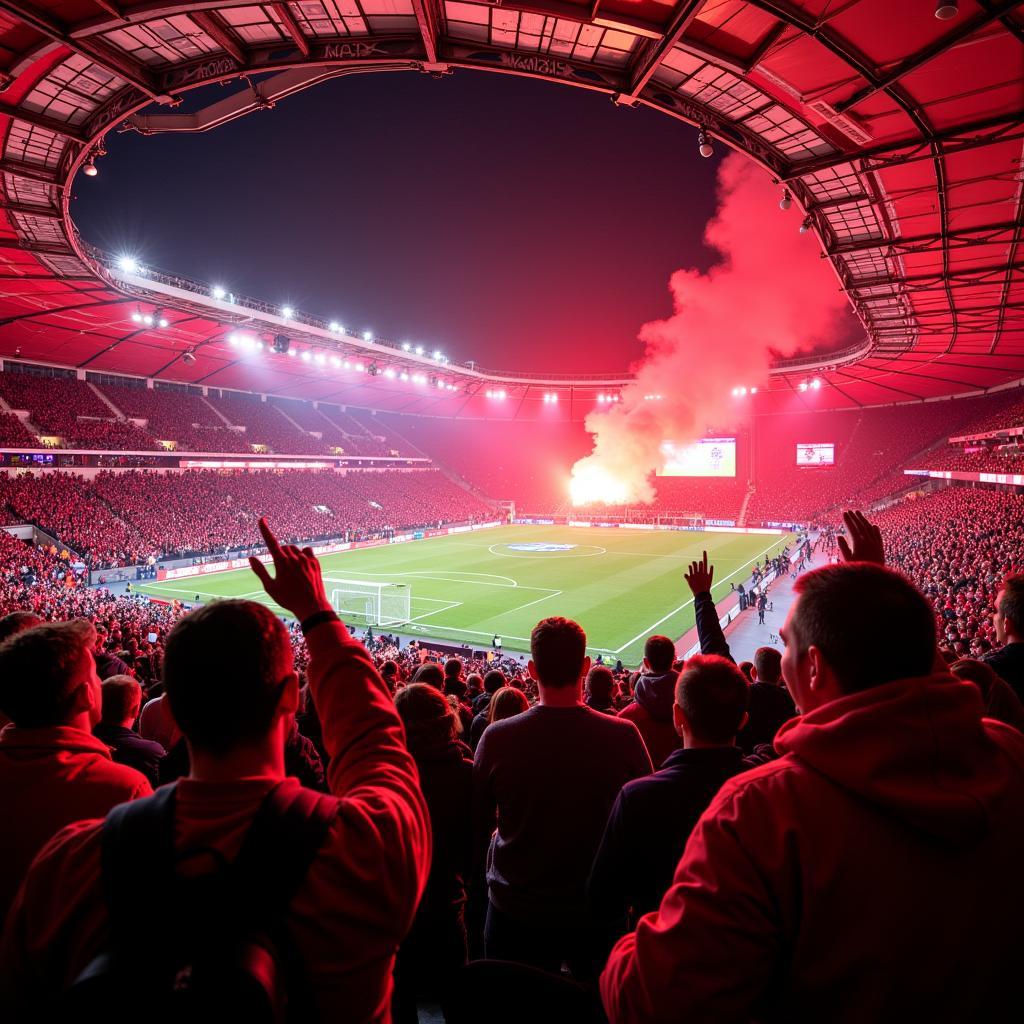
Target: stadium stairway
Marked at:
106, 401
217, 412
741, 519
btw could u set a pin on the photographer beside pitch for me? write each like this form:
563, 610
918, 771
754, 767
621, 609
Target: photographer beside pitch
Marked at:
872, 872
233, 690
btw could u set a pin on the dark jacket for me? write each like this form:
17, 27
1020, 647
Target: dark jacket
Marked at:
1008, 662
651, 713
476, 730
128, 747
647, 831
769, 707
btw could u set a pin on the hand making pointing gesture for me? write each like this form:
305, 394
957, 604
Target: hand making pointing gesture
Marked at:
700, 575
297, 584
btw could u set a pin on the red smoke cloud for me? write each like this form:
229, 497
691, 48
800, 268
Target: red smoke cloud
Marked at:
770, 292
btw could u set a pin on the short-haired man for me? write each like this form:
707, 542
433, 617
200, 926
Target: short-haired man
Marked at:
858, 876
122, 697
549, 777
1008, 660
770, 703
653, 693
53, 771
10, 625
599, 690
653, 817
493, 682
233, 689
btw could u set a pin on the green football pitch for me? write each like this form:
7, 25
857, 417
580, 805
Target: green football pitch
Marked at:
620, 585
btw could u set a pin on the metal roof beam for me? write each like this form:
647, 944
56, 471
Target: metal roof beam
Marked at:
284, 12
20, 170
428, 17
938, 275
46, 123
650, 57
95, 50
930, 52
963, 235
46, 212
896, 150
220, 34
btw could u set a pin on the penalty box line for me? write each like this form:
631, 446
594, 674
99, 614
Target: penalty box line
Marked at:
675, 611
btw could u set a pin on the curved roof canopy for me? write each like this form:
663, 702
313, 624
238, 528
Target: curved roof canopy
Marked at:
898, 134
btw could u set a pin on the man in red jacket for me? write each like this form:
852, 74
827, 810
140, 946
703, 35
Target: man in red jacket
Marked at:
872, 872
653, 696
233, 690
53, 771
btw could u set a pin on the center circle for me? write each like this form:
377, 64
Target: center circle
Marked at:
540, 549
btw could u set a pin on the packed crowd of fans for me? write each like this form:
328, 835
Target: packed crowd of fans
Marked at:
1007, 460
668, 844
128, 518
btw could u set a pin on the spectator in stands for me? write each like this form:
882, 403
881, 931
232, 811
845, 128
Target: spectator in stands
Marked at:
435, 948
122, 698
770, 703
493, 682
767, 915
53, 771
549, 777
107, 663
455, 687
506, 703
431, 674
1000, 702
233, 690
653, 817
10, 625
1008, 660
156, 723
653, 695
599, 691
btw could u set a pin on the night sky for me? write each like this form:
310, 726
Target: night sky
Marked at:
518, 223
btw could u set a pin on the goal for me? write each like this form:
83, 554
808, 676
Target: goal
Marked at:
372, 604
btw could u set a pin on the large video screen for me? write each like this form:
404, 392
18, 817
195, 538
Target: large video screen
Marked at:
710, 456
815, 454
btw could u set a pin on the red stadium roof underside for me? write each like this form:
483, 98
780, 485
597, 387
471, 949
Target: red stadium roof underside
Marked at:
899, 135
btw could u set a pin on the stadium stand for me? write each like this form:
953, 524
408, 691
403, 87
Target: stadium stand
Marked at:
128, 518
266, 425
13, 433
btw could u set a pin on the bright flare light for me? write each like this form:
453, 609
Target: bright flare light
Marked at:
218, 292
128, 264
334, 327
287, 312
591, 484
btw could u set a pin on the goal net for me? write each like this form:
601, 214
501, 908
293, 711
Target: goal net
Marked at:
372, 604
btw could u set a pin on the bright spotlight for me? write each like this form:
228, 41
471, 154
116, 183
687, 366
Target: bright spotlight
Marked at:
359, 367
334, 327
816, 384
802, 386
137, 317
90, 171
367, 335
419, 350
148, 319
403, 376
335, 362
704, 145
259, 346
218, 292
128, 264
291, 352
786, 201
320, 359
753, 391
406, 346
437, 356
287, 312
389, 373
163, 322
306, 356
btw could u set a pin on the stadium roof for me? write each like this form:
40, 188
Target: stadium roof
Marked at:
899, 135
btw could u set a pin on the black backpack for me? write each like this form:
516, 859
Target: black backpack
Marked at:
205, 949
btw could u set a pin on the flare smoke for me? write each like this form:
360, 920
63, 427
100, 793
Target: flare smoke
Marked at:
770, 292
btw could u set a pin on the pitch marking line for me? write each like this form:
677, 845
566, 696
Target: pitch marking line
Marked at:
687, 604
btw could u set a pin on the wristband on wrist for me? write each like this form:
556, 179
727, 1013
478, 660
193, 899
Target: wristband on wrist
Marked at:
318, 619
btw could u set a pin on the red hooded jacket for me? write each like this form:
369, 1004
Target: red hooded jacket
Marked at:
872, 873
357, 901
48, 779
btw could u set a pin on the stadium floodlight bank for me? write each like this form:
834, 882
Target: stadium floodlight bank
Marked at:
371, 604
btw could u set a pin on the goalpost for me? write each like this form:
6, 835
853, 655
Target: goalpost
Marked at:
372, 604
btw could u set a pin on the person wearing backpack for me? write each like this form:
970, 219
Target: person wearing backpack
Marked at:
236, 891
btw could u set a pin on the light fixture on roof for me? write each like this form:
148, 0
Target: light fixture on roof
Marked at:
406, 346
137, 317
805, 225
160, 319
128, 264
787, 199
189, 357
419, 350
306, 356
367, 335
946, 10
334, 327
802, 386
287, 312
816, 384
704, 145
148, 319
89, 168
217, 292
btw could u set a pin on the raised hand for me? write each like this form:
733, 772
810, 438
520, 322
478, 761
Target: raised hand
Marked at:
865, 544
700, 576
297, 583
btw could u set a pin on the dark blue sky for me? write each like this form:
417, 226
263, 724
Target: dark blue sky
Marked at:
519, 223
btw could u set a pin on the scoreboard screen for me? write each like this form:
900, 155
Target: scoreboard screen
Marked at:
815, 454
710, 456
